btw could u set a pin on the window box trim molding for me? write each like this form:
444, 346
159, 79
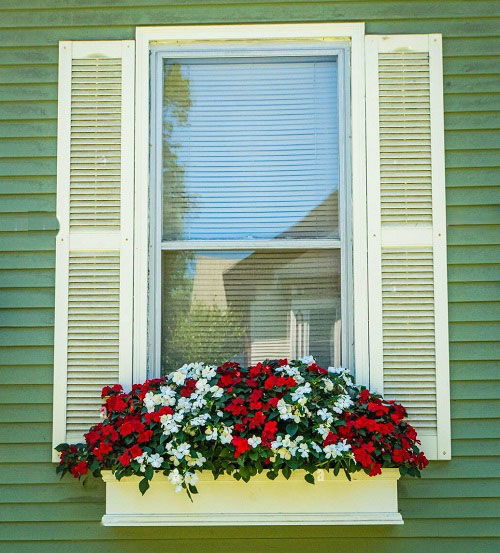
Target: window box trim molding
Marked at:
148, 38
333, 500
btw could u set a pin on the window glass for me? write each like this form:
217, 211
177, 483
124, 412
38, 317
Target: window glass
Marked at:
248, 306
250, 150
250, 153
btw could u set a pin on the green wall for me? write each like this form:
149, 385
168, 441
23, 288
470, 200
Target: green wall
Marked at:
456, 506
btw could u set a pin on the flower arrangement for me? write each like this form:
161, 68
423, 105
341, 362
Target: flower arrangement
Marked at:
275, 416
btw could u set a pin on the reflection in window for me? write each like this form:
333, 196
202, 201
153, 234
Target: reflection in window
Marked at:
250, 306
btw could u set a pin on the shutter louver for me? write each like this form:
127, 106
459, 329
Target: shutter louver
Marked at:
407, 232
94, 249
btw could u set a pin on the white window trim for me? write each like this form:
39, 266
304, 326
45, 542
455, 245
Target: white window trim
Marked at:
149, 37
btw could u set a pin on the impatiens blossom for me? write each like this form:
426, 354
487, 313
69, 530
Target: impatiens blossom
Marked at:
274, 416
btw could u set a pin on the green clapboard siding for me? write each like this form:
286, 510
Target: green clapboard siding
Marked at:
455, 507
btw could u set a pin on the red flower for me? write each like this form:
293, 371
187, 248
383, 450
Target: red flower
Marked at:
241, 445
116, 389
364, 396
125, 459
385, 428
375, 469
92, 437
258, 420
269, 431
110, 433
131, 425
313, 368
135, 451
271, 403
145, 436
240, 427
330, 439
422, 461
103, 449
79, 469
116, 404
378, 409
364, 422
362, 456
236, 407
399, 455
156, 416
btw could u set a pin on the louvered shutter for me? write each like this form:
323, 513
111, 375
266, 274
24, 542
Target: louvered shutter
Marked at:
408, 328
94, 249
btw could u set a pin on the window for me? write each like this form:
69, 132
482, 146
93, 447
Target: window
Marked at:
250, 249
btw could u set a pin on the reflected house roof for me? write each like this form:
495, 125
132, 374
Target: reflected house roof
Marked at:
291, 267
218, 278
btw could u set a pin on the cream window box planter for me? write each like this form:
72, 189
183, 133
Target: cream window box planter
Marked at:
228, 502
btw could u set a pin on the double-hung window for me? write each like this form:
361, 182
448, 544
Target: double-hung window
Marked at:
250, 233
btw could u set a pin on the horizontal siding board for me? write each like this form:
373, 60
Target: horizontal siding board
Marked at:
360, 545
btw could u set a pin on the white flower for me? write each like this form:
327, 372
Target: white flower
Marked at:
208, 372
342, 404
254, 441
175, 478
167, 395
198, 461
316, 447
200, 420
304, 450
216, 392
182, 450
155, 460
324, 414
211, 433
191, 478
301, 391
151, 400
328, 384
225, 435
323, 431
331, 451
308, 359
178, 377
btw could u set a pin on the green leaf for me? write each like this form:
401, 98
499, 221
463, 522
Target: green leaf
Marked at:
149, 473
287, 472
309, 478
272, 475
291, 428
61, 447
143, 486
192, 489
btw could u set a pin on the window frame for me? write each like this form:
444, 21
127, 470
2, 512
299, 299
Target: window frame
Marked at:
187, 38
305, 50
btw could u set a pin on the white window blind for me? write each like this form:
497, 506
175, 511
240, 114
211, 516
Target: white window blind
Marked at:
250, 149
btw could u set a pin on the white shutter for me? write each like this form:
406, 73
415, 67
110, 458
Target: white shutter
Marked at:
94, 249
407, 232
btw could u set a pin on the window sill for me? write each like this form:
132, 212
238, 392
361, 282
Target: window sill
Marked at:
333, 500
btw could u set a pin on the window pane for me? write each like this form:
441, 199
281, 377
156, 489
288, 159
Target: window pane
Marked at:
249, 306
250, 149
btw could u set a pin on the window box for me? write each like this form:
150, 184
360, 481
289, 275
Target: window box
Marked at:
332, 500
